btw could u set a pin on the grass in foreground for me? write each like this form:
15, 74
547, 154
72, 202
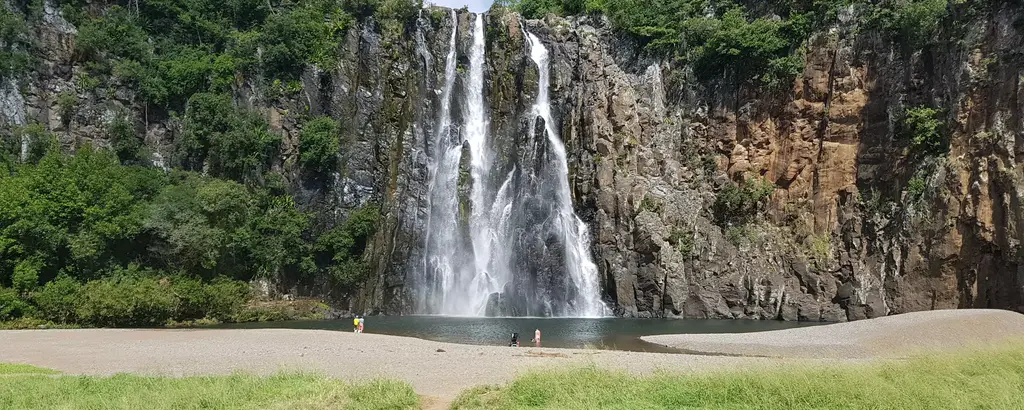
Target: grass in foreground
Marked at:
991, 380
219, 392
14, 368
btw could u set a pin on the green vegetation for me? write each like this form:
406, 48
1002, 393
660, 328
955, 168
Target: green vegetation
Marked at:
338, 251
650, 204
172, 49
86, 240
980, 380
319, 144
924, 130
237, 391
821, 250
682, 240
15, 45
739, 204
748, 43
233, 142
22, 369
67, 105
910, 22
124, 140
916, 187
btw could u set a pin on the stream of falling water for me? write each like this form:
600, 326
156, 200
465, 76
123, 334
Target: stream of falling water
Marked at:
442, 260
574, 233
502, 249
487, 277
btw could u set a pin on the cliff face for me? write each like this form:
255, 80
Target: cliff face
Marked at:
847, 233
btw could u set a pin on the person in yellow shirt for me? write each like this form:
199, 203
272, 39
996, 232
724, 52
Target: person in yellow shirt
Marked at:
355, 324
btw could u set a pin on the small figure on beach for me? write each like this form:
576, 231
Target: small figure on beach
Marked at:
361, 323
355, 324
515, 340
536, 337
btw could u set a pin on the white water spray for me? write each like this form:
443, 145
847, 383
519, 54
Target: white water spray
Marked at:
442, 259
482, 228
574, 233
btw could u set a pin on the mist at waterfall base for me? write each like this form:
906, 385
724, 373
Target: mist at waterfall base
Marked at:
502, 237
604, 333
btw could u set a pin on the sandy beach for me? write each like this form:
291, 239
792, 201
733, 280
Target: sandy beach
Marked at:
443, 370
885, 337
432, 368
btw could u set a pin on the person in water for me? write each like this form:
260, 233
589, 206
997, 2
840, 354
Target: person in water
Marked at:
515, 340
536, 337
361, 320
355, 324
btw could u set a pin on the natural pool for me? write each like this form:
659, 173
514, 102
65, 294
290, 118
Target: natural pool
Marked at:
604, 333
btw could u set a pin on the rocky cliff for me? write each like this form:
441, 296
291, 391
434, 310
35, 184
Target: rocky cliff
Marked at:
856, 224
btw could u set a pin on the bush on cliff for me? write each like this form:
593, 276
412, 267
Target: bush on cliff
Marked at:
737, 204
340, 250
923, 129
319, 144
15, 45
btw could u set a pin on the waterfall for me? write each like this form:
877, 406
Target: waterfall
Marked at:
443, 255
485, 237
519, 249
572, 231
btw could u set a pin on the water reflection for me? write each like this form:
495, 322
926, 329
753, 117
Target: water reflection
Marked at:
605, 333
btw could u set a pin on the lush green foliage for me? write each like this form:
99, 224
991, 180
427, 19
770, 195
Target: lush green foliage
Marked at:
11, 305
738, 204
234, 143
126, 300
923, 129
124, 140
172, 49
15, 45
757, 43
67, 105
722, 38
211, 226
84, 239
339, 251
58, 300
910, 22
970, 380
240, 391
319, 144
301, 36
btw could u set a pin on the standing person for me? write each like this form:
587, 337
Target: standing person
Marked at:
361, 324
355, 324
536, 337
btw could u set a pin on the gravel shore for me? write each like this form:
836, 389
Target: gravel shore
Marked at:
443, 369
886, 337
432, 368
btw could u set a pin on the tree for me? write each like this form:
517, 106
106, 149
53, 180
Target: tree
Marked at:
318, 145
235, 143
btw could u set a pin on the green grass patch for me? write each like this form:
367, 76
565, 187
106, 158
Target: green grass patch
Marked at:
991, 379
17, 368
240, 391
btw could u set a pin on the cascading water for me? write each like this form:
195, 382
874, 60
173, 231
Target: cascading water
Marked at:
486, 277
574, 234
522, 250
443, 256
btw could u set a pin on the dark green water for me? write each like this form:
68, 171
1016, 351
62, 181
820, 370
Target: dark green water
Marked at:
606, 333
